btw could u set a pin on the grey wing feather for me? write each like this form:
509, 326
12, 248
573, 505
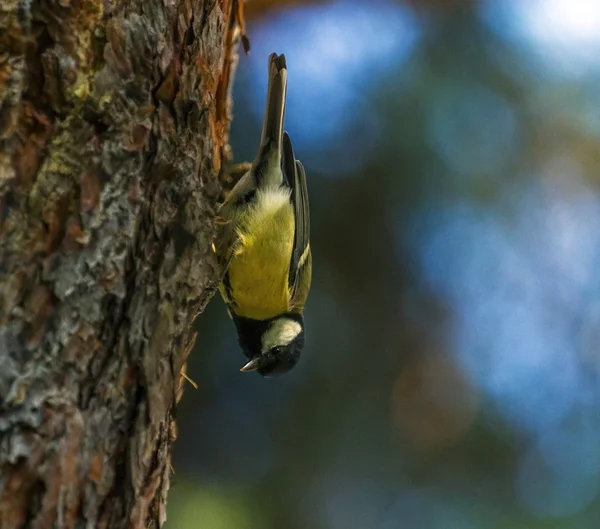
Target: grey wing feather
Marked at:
296, 178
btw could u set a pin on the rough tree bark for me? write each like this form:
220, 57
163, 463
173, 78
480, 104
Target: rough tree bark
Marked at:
113, 130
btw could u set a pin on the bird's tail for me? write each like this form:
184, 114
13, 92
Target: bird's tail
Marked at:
275, 109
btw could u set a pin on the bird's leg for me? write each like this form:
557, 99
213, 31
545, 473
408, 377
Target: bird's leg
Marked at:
232, 173
236, 171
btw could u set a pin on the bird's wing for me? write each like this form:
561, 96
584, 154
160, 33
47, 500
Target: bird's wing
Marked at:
227, 217
300, 261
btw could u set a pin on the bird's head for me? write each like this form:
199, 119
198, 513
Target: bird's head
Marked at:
277, 347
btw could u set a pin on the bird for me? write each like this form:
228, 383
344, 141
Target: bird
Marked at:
263, 244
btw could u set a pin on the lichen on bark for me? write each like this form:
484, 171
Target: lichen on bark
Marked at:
114, 118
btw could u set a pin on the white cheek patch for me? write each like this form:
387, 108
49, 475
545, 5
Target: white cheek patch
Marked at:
282, 332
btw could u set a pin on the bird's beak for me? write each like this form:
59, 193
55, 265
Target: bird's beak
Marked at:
250, 366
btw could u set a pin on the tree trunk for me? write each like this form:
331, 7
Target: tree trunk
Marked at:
113, 130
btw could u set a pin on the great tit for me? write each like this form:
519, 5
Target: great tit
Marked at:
263, 244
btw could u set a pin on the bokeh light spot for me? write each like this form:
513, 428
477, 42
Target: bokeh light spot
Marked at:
546, 493
512, 286
427, 508
473, 130
433, 404
345, 502
564, 34
335, 62
194, 506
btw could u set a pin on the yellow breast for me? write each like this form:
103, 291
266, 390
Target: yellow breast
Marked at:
258, 272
